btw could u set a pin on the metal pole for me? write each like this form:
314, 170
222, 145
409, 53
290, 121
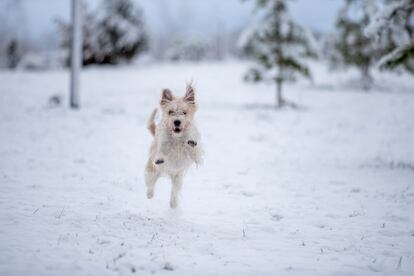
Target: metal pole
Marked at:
76, 53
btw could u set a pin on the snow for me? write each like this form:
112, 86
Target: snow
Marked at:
123, 17
324, 190
390, 25
383, 19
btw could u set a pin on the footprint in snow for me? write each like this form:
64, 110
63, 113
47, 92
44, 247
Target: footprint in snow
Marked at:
247, 194
168, 266
355, 190
277, 217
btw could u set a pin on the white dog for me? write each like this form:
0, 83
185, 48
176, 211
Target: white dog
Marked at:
176, 143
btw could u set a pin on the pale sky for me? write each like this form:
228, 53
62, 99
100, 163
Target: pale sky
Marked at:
186, 17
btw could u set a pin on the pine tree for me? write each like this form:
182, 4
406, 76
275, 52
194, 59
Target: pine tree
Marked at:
279, 45
113, 34
90, 47
121, 32
352, 46
392, 26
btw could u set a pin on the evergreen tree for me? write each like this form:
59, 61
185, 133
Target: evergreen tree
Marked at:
113, 34
351, 46
90, 48
392, 26
120, 31
279, 45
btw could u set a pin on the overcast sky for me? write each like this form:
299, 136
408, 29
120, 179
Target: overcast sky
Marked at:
188, 17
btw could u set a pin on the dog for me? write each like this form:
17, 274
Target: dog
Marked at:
176, 145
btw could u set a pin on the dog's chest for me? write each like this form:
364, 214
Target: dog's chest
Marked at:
176, 156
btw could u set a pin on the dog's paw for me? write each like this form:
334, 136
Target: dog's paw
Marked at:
159, 161
173, 203
150, 193
192, 143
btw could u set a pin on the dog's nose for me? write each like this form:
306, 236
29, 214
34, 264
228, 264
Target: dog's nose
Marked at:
177, 123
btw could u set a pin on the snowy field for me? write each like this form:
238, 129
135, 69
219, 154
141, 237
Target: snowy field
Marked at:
324, 190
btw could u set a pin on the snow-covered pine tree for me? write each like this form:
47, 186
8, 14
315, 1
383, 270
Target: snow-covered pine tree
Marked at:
90, 47
351, 46
120, 31
279, 45
392, 26
113, 34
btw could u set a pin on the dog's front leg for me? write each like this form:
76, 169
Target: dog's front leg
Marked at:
160, 155
159, 160
194, 151
177, 182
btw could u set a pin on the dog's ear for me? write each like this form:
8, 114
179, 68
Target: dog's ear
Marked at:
166, 96
189, 96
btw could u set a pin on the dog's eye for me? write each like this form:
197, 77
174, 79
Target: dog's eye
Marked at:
185, 113
170, 112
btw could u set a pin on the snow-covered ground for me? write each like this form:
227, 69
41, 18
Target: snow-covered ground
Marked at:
324, 190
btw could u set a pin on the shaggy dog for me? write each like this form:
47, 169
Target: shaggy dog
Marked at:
176, 143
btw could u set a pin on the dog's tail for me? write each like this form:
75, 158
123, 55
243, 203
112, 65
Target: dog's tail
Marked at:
151, 122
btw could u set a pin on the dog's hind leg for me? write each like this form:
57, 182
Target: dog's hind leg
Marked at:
150, 180
151, 177
177, 182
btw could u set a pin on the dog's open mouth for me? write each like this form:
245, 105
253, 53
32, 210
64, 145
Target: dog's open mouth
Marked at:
177, 130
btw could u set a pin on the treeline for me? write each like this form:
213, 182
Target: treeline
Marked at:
367, 35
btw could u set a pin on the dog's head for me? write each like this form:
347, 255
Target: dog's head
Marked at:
178, 112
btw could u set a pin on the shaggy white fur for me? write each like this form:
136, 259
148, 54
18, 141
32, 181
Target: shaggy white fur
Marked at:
176, 143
